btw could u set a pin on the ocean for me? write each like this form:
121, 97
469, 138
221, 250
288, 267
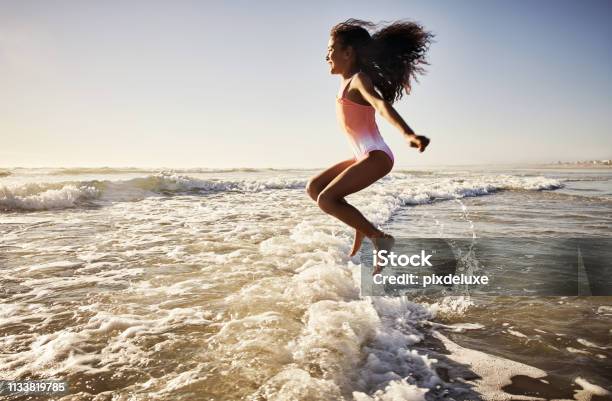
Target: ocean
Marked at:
204, 284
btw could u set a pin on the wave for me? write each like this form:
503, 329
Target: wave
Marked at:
43, 197
592, 196
588, 179
456, 188
63, 195
98, 170
129, 170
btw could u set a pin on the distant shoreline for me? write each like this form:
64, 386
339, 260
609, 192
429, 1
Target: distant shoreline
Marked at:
576, 165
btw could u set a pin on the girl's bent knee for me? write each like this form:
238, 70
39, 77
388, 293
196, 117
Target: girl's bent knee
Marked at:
311, 190
326, 202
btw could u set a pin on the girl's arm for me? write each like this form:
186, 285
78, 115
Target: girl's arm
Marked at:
364, 84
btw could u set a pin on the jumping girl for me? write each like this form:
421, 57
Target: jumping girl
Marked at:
375, 70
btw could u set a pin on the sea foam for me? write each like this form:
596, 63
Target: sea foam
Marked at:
64, 195
398, 189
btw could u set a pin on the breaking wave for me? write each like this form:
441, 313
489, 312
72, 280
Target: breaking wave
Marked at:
401, 187
63, 195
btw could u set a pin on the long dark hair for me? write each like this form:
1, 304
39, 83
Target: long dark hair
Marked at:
392, 56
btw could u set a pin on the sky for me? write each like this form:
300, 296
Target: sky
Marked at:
245, 84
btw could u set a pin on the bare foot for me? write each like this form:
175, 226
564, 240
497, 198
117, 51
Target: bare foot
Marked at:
382, 242
357, 242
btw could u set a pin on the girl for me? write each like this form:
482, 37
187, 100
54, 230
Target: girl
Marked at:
385, 61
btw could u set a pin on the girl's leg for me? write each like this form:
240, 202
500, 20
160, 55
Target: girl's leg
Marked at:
357, 240
318, 183
355, 178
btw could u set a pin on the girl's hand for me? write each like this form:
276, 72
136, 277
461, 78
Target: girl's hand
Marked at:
419, 141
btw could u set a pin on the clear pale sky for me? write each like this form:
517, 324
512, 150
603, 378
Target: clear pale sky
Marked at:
243, 83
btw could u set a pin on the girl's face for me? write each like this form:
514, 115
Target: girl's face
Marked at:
339, 59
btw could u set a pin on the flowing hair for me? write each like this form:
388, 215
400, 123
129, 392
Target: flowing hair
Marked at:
392, 56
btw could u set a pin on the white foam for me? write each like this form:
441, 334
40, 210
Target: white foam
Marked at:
493, 372
589, 389
590, 344
457, 327
41, 197
516, 333
451, 306
605, 310
292, 384
70, 350
577, 351
389, 194
63, 195
397, 390
339, 328
54, 266
425, 191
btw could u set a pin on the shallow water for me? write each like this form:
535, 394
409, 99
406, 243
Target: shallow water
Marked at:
227, 285
565, 336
